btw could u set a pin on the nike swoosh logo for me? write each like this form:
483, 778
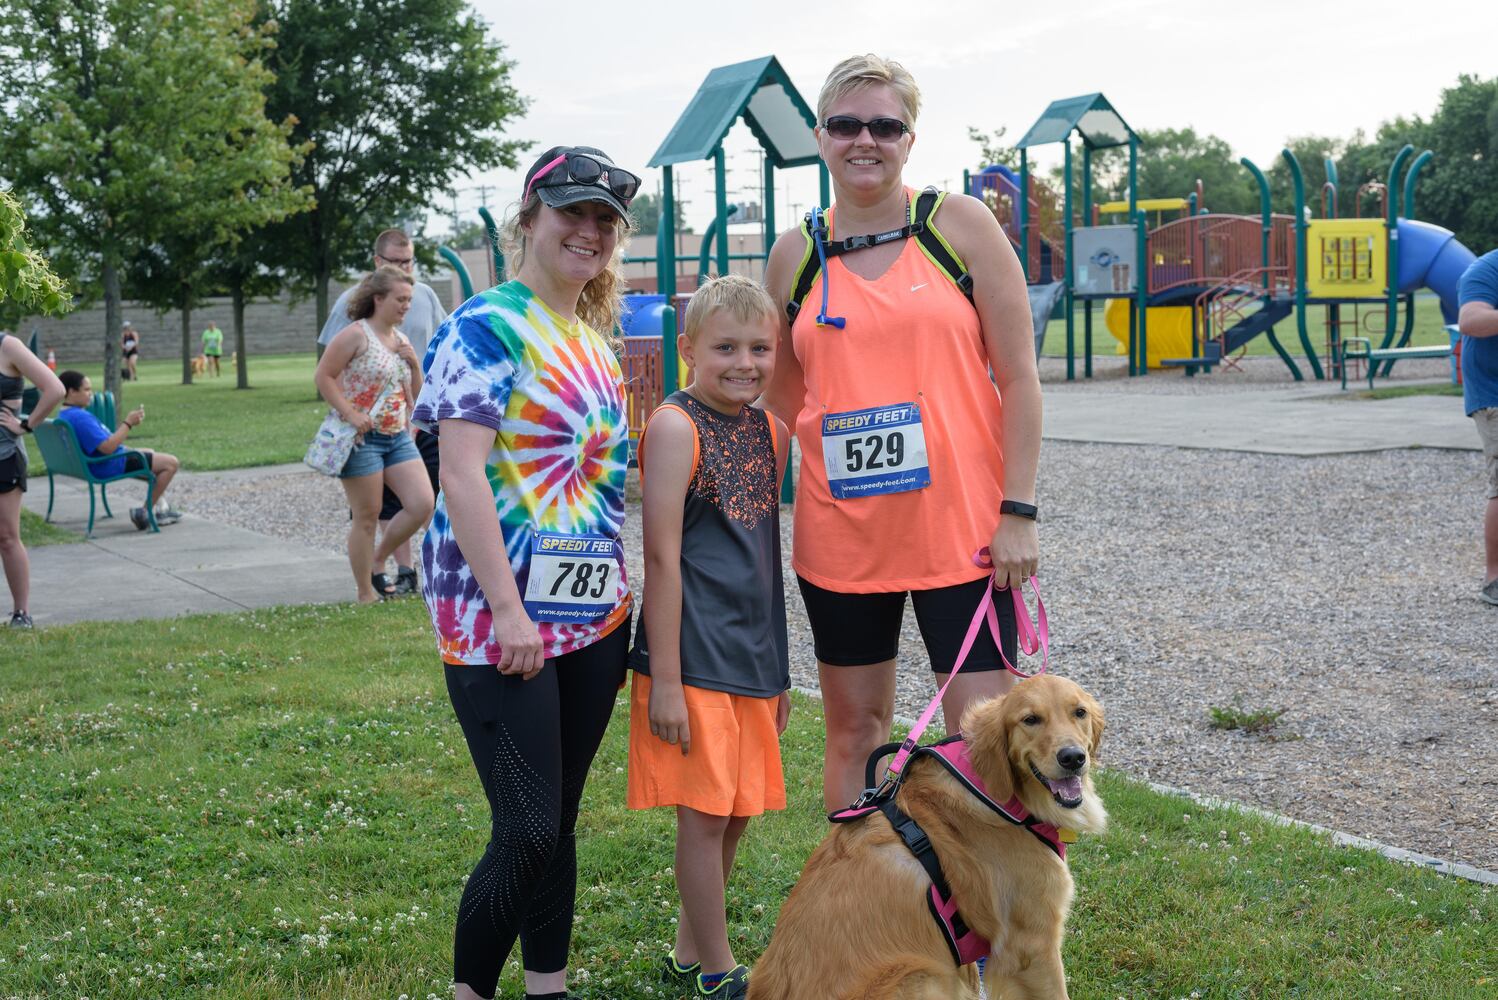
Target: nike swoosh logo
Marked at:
917, 288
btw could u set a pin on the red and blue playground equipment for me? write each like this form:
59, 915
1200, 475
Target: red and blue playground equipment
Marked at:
1238, 275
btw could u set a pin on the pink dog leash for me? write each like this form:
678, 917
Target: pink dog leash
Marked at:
1033, 637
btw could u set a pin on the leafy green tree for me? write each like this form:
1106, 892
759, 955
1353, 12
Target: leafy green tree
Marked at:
396, 101
645, 210
126, 118
1459, 188
27, 284
994, 152
236, 189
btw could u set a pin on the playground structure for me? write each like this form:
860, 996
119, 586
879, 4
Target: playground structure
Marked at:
1210, 281
1189, 292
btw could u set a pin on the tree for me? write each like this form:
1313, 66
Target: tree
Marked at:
645, 210
240, 187
1311, 152
1459, 189
27, 284
125, 113
994, 152
396, 101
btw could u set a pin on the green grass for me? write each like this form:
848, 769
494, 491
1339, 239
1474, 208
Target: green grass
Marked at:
1400, 391
35, 532
210, 424
1429, 329
1254, 721
280, 804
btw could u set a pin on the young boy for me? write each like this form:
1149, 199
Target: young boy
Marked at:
710, 694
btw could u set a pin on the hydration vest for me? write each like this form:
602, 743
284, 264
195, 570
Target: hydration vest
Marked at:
920, 225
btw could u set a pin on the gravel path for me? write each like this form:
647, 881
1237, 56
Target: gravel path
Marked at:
1340, 590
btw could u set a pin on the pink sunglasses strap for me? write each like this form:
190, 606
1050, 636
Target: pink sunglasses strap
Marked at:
540, 174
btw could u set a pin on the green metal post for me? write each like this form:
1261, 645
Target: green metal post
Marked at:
1086, 221
665, 281
1023, 212
720, 201
1391, 224
1141, 291
1409, 182
1266, 212
715, 230
1066, 295
824, 184
967, 181
1134, 177
456, 262
491, 228
769, 208
1300, 262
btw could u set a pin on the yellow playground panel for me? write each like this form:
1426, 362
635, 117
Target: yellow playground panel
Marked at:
1347, 259
1168, 331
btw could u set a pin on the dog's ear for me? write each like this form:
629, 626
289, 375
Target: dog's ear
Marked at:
985, 725
1096, 717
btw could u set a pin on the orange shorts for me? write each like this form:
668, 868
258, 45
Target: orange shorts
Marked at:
732, 768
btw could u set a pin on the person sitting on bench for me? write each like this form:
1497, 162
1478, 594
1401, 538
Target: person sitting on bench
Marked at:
95, 440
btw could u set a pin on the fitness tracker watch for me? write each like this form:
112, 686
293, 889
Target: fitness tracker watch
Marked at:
1019, 509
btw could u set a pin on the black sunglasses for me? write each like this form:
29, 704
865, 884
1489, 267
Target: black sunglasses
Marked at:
881, 129
580, 168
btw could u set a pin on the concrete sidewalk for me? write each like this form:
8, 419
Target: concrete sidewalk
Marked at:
198, 565
1304, 420
192, 566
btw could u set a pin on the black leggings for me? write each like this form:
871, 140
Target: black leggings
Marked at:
532, 742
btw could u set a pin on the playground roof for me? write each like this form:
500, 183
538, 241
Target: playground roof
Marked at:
1090, 114
760, 91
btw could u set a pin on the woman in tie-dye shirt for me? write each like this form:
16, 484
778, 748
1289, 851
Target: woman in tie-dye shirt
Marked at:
522, 565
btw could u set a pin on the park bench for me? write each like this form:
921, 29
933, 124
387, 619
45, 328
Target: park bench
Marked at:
1361, 348
65, 457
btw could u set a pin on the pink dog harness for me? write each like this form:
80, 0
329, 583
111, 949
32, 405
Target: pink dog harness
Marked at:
966, 945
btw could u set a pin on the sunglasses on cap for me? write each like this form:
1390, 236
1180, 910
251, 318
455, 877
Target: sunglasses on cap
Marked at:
580, 168
881, 129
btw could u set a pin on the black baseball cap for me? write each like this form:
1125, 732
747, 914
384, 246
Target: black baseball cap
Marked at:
559, 195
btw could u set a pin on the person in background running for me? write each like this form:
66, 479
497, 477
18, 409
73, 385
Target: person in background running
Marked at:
130, 345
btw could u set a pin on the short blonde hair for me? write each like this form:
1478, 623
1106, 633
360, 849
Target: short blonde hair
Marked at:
744, 298
857, 72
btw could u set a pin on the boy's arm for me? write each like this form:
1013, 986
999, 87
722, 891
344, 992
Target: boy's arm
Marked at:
665, 473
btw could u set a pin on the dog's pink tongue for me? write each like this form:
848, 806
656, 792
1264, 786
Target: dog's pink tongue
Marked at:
1069, 789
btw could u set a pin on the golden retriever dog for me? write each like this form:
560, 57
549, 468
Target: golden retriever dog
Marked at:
199, 364
857, 927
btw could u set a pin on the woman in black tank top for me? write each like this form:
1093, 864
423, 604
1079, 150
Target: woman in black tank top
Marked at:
16, 365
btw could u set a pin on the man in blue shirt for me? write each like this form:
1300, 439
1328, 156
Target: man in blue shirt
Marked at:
1478, 321
95, 440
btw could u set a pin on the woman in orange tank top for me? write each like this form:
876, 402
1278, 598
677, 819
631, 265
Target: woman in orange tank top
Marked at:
908, 446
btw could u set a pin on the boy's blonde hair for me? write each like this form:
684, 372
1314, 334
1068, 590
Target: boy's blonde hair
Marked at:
747, 300
857, 72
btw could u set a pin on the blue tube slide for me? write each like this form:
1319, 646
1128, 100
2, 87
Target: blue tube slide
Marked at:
1432, 257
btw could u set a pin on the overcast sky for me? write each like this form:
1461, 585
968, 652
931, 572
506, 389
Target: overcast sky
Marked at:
1253, 73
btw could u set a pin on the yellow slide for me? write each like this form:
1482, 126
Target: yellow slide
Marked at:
1168, 329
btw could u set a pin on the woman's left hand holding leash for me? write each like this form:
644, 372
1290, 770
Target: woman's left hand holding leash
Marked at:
1015, 551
